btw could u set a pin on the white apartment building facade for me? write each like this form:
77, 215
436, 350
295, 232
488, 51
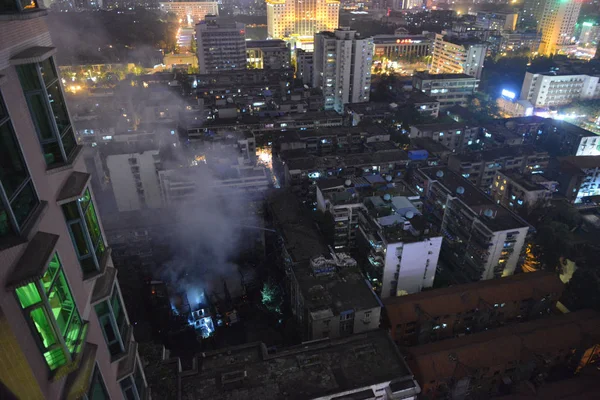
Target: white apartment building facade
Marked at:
65, 333
342, 68
286, 18
221, 45
401, 249
557, 25
551, 89
449, 89
457, 56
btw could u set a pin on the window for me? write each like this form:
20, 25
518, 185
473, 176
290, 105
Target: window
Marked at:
13, 6
48, 110
85, 231
97, 389
52, 315
18, 197
134, 386
113, 322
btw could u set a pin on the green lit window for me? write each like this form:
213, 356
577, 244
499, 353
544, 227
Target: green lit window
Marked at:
52, 314
18, 198
113, 322
86, 234
41, 85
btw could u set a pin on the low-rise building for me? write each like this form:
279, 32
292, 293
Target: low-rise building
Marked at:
328, 294
304, 66
452, 311
458, 54
517, 191
400, 247
361, 366
447, 88
496, 20
267, 54
401, 47
480, 167
436, 151
515, 41
494, 362
454, 135
482, 239
579, 177
561, 138
555, 89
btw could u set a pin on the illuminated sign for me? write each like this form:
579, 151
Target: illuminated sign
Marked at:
509, 94
407, 41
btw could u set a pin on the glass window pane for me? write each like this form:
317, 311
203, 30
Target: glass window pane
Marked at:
85, 199
24, 203
88, 265
97, 388
127, 388
52, 154
118, 312
69, 142
100, 249
139, 381
79, 239
70, 211
92, 223
3, 112
48, 71
59, 109
43, 327
61, 303
39, 114
73, 334
28, 4
101, 309
5, 225
13, 171
53, 267
55, 358
28, 76
28, 295
8, 6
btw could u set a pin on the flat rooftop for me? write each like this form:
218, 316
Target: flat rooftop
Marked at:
302, 240
432, 146
500, 152
581, 162
476, 200
427, 76
347, 160
344, 290
526, 182
317, 369
439, 126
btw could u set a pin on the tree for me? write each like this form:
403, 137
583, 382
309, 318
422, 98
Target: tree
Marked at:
271, 297
583, 290
552, 241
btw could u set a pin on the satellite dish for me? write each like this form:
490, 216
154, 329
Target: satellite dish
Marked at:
387, 197
439, 174
488, 213
348, 182
388, 178
460, 190
409, 215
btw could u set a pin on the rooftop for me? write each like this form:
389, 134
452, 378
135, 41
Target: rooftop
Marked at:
580, 162
347, 160
503, 219
427, 76
259, 44
343, 290
525, 182
312, 370
302, 240
432, 146
519, 342
465, 297
497, 153
439, 126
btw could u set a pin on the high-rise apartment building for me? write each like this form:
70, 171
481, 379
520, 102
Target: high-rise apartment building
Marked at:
342, 67
304, 66
221, 45
557, 25
453, 55
531, 14
287, 18
64, 328
482, 240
